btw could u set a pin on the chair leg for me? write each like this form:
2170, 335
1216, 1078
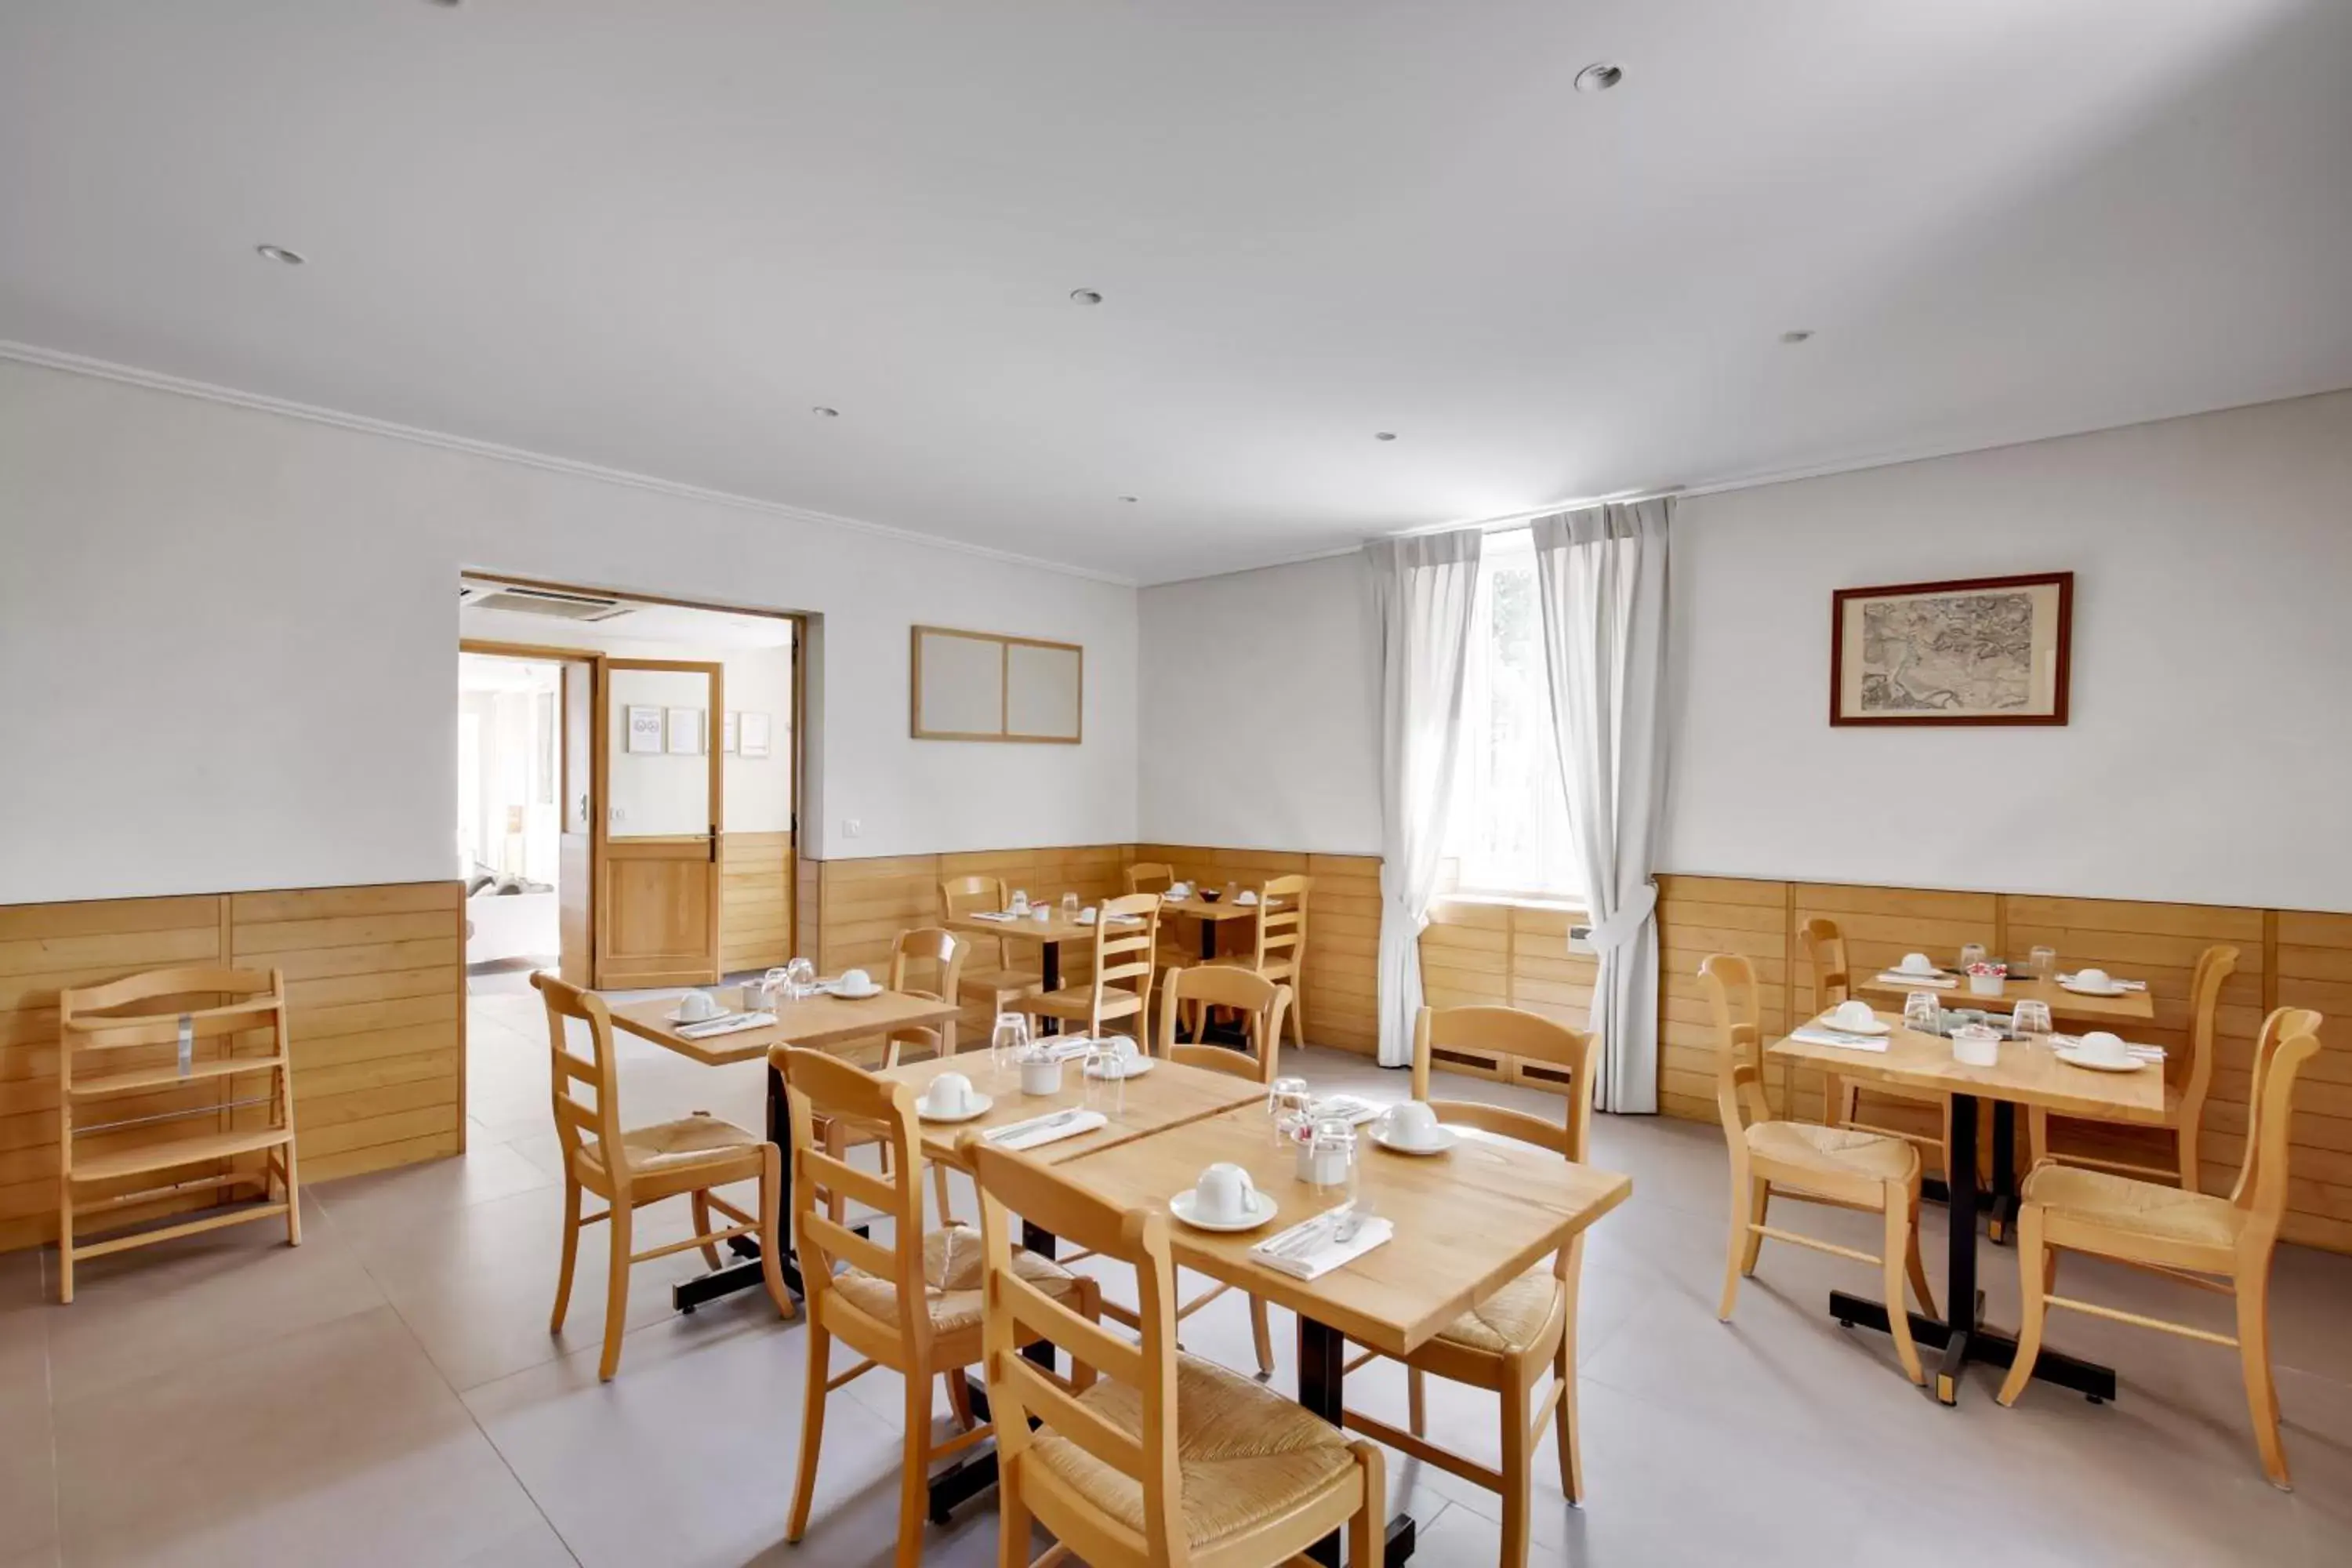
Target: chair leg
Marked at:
1571, 1458
700, 1199
64, 1242
820, 1367
1739, 1255
2254, 1360
1893, 1257
1013, 1531
960, 1399
571, 1256
2037, 1135
1763, 1211
915, 1470
1298, 1010
2184, 1138
1917, 1269
1518, 1460
2032, 1286
773, 1237
293, 1199
618, 1231
1368, 1527
1837, 1100
1262, 1332
940, 1191
1416, 1399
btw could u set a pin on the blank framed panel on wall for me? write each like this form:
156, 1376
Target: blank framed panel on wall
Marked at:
982, 686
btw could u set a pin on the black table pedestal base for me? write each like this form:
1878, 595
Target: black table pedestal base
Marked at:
1322, 1364
1978, 1344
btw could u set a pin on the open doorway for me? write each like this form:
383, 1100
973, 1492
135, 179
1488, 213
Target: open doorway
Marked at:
661, 832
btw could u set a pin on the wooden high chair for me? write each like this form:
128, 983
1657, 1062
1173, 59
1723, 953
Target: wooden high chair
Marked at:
1876, 1172
993, 983
912, 1306
2216, 1243
1507, 1342
631, 1167
1122, 952
1841, 1098
1278, 944
1145, 1458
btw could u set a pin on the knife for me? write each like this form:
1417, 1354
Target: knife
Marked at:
1034, 1124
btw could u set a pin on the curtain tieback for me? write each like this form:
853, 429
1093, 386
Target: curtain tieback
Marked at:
1623, 927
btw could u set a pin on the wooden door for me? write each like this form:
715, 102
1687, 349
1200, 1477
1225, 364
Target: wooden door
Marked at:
575, 891
657, 821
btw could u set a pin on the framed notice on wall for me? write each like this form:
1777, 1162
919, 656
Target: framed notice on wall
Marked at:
645, 730
686, 731
984, 686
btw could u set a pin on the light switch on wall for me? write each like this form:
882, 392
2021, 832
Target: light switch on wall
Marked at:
852, 827
620, 814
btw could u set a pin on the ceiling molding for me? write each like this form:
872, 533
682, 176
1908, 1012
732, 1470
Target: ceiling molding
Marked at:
157, 381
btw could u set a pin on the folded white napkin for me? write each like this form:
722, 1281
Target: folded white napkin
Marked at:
2142, 1053
726, 1025
1327, 1254
1931, 982
2126, 985
1051, 1128
995, 915
1354, 1109
1818, 1034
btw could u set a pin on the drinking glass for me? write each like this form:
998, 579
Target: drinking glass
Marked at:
1973, 952
1286, 1103
1920, 1011
2044, 962
1330, 1158
1103, 1079
799, 978
1020, 904
1069, 906
1005, 1043
2031, 1018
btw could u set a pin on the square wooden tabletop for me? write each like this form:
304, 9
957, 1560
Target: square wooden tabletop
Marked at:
2028, 1073
1467, 1221
2131, 1007
1200, 908
1029, 928
1168, 1095
819, 1020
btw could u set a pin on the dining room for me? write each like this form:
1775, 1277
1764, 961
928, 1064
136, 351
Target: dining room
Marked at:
1550, 787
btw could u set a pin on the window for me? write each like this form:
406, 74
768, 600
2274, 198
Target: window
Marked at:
1508, 831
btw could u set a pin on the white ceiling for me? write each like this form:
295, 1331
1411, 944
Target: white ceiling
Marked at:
651, 236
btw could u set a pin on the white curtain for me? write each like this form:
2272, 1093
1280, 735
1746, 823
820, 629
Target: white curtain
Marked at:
1600, 573
1422, 589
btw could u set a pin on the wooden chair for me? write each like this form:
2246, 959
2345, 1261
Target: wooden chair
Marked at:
993, 983
1158, 877
1145, 1458
2216, 1244
912, 1306
2184, 1089
184, 1030
1843, 1167
1841, 1098
1122, 952
1508, 1342
631, 1167
944, 952
1278, 942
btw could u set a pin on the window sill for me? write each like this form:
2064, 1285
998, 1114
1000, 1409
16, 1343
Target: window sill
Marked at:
1515, 901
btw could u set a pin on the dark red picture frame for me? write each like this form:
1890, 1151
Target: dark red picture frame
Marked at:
2063, 581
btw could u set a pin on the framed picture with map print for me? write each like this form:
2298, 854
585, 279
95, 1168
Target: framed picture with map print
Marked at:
1986, 650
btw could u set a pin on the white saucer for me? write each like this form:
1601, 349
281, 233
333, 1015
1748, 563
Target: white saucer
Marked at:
1445, 1139
1136, 1067
1875, 1026
2094, 991
674, 1016
979, 1107
835, 990
2075, 1060
1919, 975
1262, 1209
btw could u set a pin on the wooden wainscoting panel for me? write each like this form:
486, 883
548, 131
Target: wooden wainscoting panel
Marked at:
755, 900
1698, 916
2314, 970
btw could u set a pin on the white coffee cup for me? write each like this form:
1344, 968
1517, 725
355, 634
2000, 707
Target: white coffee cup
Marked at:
1020, 905
1120, 1045
1041, 1073
2094, 980
949, 1095
855, 983
1245, 897
697, 1006
1915, 963
1854, 1013
2103, 1047
1412, 1125
1224, 1192
1180, 889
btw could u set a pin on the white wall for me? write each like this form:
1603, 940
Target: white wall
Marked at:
1260, 697
2210, 746
2211, 734
228, 639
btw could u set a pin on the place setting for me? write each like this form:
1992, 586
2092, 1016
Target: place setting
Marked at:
1852, 1024
1413, 1129
2100, 1051
699, 1016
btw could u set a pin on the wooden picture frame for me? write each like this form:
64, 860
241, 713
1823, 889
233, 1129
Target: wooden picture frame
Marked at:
986, 686
1971, 650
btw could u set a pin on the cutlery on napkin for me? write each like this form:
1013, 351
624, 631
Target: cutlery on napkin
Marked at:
1932, 982
2126, 985
1330, 1240
1821, 1035
727, 1024
1049, 1129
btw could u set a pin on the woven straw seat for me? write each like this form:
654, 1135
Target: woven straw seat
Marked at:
2127, 1206
952, 1260
1511, 1320
1842, 1150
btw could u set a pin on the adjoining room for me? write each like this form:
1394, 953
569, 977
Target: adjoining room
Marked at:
877, 785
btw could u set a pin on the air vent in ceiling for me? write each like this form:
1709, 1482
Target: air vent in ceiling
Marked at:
546, 602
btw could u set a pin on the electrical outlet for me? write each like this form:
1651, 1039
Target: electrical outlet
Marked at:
852, 827
620, 814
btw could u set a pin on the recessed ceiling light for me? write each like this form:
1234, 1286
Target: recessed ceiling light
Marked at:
1797, 335
1129, 499
281, 255
821, 412
1086, 296
1599, 77
1383, 435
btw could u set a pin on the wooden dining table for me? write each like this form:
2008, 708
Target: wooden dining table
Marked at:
1466, 1222
2134, 1006
816, 1022
2030, 1073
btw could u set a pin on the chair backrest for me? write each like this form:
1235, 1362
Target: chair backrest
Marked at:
1729, 981
1226, 985
961, 897
1123, 951
1279, 929
1016, 1313
1832, 975
1151, 877
586, 1128
2214, 966
1518, 1036
2289, 1038
818, 1086
216, 1005
927, 961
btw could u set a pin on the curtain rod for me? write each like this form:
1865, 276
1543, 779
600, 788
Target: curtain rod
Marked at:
1522, 519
